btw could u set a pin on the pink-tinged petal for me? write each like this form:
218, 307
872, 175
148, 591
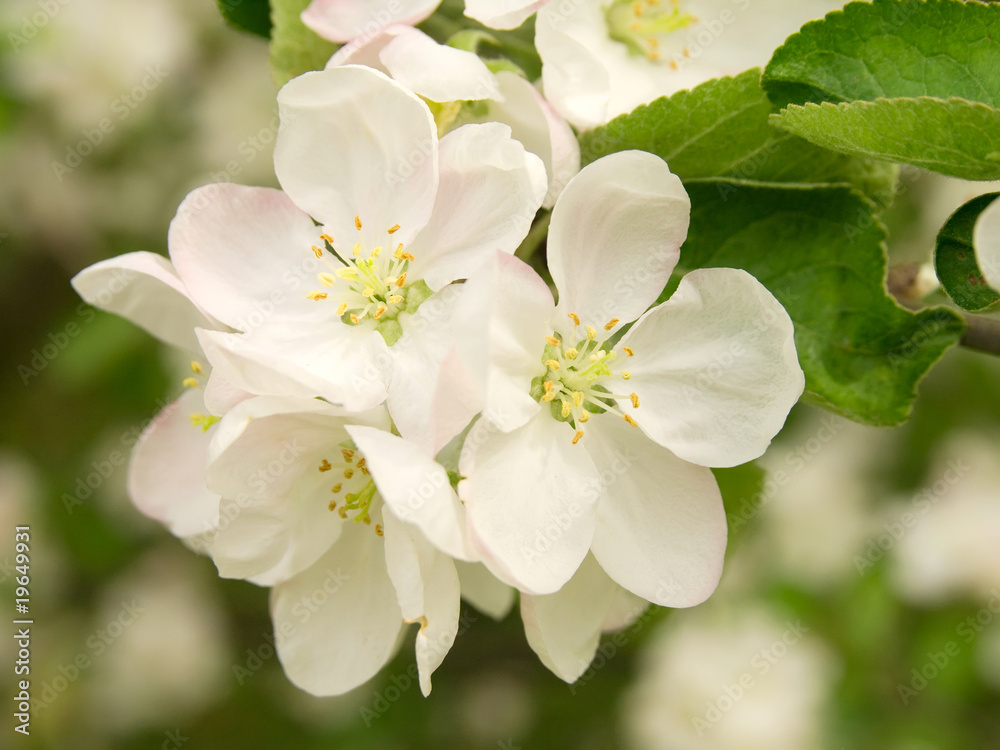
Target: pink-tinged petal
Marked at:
338, 623
266, 456
418, 357
489, 193
661, 527
166, 476
428, 590
347, 20
539, 127
222, 395
349, 368
365, 50
354, 143
415, 489
484, 591
564, 628
145, 289
530, 497
501, 322
986, 240
436, 71
615, 238
238, 250
502, 14
715, 368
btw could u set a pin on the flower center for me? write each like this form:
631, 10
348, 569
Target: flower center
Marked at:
353, 487
581, 377
643, 26
370, 285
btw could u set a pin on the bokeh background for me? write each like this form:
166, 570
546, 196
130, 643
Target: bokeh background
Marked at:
860, 606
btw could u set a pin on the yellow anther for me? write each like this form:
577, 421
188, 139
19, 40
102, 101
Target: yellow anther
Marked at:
348, 454
548, 397
357, 250
610, 324
355, 319
367, 521
406, 256
327, 279
190, 383
378, 529
673, 64
577, 398
368, 292
325, 466
378, 313
361, 463
626, 375
394, 299
332, 506
591, 333
630, 420
357, 222
336, 488
341, 309
326, 238
317, 251
628, 351
635, 400
376, 252
566, 409
584, 417
342, 511
571, 353
552, 364
401, 281
574, 317
316, 296
196, 368
348, 472
577, 436
393, 229
552, 341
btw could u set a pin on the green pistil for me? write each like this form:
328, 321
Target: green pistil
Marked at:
361, 501
638, 23
204, 421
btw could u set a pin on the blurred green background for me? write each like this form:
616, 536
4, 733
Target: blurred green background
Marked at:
843, 619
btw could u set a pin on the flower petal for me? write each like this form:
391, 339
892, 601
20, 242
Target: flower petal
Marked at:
483, 590
489, 193
715, 368
415, 489
501, 322
166, 476
427, 586
354, 143
564, 628
530, 496
502, 14
240, 250
338, 623
625, 609
436, 71
986, 240
661, 528
346, 20
615, 238
145, 289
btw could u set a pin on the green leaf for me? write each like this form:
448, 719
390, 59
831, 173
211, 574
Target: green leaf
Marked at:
954, 137
955, 259
295, 48
721, 129
248, 15
914, 81
820, 252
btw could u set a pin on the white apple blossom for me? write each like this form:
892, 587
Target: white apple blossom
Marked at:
598, 443
602, 58
986, 241
468, 92
332, 310
356, 20
502, 14
355, 529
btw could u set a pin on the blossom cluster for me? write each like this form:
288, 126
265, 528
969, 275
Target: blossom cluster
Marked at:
389, 411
